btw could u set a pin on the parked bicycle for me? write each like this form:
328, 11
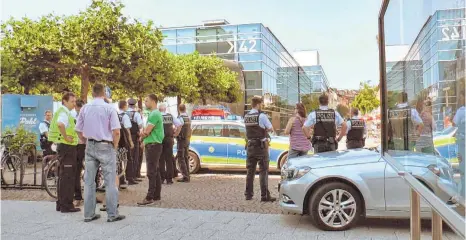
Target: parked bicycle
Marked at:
10, 163
51, 173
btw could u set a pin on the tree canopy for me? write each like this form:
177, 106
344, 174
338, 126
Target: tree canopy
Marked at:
100, 44
310, 101
367, 99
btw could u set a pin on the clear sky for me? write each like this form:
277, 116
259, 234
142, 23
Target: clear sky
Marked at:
344, 31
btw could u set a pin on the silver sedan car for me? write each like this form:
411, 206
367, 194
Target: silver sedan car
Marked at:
338, 188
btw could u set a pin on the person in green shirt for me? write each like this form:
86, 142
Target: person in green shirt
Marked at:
152, 136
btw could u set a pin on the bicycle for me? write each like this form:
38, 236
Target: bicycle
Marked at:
10, 168
51, 174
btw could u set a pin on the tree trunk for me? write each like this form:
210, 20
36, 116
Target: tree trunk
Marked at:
84, 82
140, 103
26, 91
178, 103
204, 101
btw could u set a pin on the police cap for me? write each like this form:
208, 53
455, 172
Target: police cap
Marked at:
132, 101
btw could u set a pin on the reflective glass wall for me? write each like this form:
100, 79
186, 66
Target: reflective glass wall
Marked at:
424, 55
268, 68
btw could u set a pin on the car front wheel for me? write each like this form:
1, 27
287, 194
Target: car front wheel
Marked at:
335, 206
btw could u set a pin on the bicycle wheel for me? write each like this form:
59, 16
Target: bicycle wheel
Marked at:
10, 169
51, 175
121, 165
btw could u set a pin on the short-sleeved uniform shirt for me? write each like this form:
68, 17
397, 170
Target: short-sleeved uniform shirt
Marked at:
155, 118
264, 121
63, 117
311, 118
125, 120
137, 116
415, 118
43, 127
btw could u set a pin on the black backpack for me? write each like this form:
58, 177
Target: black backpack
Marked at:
124, 136
134, 125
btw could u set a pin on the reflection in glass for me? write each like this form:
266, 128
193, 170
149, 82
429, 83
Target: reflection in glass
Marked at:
425, 82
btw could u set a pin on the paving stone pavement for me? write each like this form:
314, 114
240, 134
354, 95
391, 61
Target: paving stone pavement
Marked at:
206, 191
30, 220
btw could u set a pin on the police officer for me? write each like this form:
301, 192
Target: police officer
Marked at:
80, 153
136, 126
44, 126
63, 134
459, 120
126, 144
404, 125
257, 128
324, 122
170, 127
183, 139
356, 131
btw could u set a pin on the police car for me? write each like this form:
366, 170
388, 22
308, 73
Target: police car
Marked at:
445, 144
220, 144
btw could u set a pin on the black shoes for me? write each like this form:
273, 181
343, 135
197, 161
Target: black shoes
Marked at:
169, 182
183, 180
248, 198
71, 210
119, 218
95, 217
269, 199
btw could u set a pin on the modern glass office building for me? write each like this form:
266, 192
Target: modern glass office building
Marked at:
433, 67
269, 69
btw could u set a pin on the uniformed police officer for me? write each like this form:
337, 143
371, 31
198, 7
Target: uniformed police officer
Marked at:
183, 140
170, 127
63, 134
356, 131
136, 126
44, 126
404, 125
324, 122
257, 128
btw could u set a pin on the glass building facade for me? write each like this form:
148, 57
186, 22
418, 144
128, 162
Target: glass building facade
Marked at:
269, 69
433, 68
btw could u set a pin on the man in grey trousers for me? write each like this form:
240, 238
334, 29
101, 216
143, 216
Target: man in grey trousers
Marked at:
99, 123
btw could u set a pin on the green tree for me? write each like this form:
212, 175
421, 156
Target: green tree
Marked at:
343, 110
215, 81
367, 99
310, 101
96, 45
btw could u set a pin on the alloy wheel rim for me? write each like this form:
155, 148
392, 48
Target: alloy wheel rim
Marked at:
192, 164
337, 208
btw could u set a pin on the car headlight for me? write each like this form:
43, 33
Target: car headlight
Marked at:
294, 173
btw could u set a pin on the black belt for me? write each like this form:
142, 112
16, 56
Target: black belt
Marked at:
101, 141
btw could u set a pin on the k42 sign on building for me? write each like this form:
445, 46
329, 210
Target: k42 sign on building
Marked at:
27, 110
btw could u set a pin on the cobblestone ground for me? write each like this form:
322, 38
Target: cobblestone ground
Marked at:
206, 191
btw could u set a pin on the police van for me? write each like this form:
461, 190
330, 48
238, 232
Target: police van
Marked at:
220, 144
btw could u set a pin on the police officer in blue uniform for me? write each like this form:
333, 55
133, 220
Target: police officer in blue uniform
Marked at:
324, 122
404, 125
356, 131
170, 128
183, 141
136, 126
257, 128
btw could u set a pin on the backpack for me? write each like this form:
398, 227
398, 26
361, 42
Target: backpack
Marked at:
134, 125
124, 136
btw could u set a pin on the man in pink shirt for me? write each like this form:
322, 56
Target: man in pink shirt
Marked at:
98, 122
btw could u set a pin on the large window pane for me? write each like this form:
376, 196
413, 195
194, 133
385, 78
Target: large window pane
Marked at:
425, 81
253, 80
186, 48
